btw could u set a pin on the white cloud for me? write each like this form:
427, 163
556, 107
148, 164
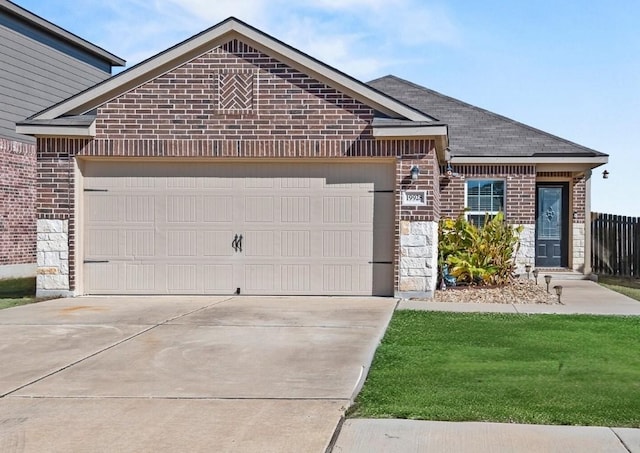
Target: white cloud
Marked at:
363, 38
360, 37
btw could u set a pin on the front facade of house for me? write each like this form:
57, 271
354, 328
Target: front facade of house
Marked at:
40, 64
234, 164
538, 180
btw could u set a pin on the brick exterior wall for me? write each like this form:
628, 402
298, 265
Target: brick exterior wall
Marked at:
17, 202
192, 102
579, 199
196, 111
520, 186
520, 203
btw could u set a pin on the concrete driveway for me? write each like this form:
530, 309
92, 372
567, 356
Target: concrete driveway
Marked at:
139, 374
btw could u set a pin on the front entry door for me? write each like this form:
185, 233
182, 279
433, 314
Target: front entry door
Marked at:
552, 224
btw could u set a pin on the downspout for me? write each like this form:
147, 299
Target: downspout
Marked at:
587, 223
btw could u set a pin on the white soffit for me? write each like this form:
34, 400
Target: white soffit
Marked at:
409, 132
529, 160
57, 131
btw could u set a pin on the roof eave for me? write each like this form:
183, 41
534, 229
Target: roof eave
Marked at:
437, 132
546, 163
55, 130
410, 132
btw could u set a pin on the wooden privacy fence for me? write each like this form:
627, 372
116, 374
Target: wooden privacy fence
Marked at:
615, 245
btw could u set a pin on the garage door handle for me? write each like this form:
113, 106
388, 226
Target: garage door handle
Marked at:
234, 244
240, 243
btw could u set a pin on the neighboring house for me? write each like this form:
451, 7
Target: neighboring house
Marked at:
234, 163
40, 64
539, 180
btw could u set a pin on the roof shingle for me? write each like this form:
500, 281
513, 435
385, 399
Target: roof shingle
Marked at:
475, 132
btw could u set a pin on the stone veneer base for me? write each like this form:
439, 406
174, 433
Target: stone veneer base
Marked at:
418, 259
52, 251
527, 252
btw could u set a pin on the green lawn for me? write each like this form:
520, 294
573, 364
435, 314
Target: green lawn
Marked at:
628, 286
541, 369
16, 292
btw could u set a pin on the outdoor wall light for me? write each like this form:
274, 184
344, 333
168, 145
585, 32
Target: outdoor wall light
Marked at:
449, 169
547, 279
535, 275
415, 172
558, 289
527, 269
605, 174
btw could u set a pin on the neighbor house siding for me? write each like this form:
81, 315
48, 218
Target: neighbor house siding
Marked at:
35, 76
38, 69
17, 208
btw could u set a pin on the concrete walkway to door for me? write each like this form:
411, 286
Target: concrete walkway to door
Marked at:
137, 374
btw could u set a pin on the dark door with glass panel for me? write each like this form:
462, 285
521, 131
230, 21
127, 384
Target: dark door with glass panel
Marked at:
552, 224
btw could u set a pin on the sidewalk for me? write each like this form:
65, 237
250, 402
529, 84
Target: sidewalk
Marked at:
387, 436
578, 297
394, 436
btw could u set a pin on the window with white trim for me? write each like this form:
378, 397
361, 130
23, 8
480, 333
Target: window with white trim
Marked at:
484, 197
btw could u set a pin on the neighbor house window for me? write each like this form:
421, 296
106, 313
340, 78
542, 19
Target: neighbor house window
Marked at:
484, 197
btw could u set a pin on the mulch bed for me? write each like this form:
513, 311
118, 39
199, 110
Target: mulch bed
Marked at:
521, 291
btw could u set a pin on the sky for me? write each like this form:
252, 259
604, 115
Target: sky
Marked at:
570, 68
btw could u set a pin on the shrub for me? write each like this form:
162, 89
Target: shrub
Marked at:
479, 255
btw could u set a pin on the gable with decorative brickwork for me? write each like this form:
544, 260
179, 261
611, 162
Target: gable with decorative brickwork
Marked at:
234, 92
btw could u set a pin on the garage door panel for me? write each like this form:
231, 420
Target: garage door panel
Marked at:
337, 243
141, 278
217, 243
139, 209
136, 182
337, 210
182, 279
182, 243
218, 182
140, 243
295, 209
104, 243
295, 243
104, 209
182, 209
104, 278
295, 278
259, 279
337, 278
384, 232
363, 244
260, 243
217, 209
259, 209
218, 278
319, 228
183, 182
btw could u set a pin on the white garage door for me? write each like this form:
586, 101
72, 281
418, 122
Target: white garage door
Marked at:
256, 228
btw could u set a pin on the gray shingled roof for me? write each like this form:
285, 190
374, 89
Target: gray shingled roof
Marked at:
74, 120
475, 132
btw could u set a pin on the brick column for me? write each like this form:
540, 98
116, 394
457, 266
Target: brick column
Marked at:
418, 226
